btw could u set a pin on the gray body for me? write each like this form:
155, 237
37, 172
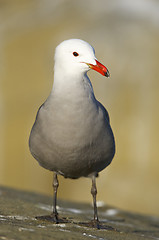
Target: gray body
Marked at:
72, 134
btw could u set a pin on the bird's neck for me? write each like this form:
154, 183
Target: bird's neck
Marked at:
71, 85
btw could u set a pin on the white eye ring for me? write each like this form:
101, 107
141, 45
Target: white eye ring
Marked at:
75, 54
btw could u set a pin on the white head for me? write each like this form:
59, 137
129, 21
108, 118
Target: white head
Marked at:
75, 57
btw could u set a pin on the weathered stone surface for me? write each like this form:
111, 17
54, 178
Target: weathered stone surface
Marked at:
18, 210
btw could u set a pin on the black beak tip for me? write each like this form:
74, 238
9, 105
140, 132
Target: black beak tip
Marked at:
107, 74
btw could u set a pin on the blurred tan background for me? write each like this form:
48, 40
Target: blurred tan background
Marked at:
125, 35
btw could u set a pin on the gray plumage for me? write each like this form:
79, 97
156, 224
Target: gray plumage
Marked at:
72, 134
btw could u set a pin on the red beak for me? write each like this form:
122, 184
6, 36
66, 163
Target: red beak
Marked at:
100, 68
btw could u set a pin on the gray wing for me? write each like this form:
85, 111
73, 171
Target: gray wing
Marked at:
105, 111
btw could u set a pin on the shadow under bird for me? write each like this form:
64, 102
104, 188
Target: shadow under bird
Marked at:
72, 135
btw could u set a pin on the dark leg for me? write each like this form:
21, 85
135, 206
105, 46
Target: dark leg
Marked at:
53, 217
55, 187
94, 193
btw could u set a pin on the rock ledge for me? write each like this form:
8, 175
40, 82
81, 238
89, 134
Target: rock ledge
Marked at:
18, 210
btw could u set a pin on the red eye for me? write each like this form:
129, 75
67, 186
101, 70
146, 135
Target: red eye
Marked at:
75, 54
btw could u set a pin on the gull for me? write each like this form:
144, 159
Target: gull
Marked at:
71, 135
